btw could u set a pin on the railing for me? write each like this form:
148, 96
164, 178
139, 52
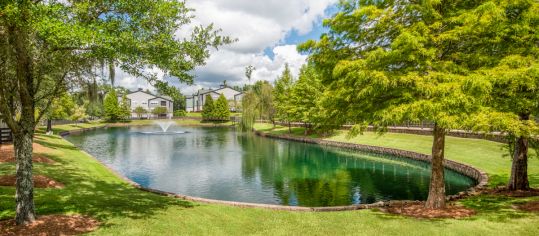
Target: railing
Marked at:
5, 135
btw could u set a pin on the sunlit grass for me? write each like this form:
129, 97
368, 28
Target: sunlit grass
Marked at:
93, 190
488, 156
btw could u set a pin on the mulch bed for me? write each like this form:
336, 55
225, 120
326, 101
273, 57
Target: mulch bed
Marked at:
51, 225
40, 181
7, 154
532, 206
418, 210
519, 193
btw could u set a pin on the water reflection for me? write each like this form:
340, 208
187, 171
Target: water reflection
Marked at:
220, 163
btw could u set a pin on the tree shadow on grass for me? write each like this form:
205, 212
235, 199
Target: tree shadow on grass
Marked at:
90, 189
488, 207
42, 141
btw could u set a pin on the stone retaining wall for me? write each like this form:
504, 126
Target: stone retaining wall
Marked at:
478, 175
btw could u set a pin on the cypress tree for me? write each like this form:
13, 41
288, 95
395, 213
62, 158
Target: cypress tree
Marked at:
111, 107
221, 109
208, 108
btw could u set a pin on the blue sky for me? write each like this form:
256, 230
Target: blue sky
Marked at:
268, 32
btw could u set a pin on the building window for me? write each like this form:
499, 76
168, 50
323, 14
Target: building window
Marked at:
164, 103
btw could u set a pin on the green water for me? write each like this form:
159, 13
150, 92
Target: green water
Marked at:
220, 163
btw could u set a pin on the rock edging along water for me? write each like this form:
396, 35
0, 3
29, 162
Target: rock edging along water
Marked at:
478, 175
495, 137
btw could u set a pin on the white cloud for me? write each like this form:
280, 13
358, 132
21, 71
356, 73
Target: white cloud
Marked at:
257, 24
221, 67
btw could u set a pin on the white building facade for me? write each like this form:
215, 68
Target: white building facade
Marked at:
195, 103
149, 102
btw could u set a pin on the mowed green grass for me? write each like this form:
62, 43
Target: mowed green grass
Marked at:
491, 157
91, 189
61, 128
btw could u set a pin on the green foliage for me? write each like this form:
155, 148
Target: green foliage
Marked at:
306, 92
249, 111
174, 93
96, 192
159, 111
221, 110
208, 108
257, 103
46, 46
79, 113
180, 113
111, 108
61, 108
125, 108
94, 109
56, 43
282, 94
140, 111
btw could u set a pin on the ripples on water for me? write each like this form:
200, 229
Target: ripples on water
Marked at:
220, 163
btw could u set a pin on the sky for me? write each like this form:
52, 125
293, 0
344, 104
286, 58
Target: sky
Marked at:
267, 31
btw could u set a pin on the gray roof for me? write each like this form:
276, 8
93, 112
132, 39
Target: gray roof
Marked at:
155, 96
204, 91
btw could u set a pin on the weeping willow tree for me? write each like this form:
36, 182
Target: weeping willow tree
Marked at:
257, 103
249, 111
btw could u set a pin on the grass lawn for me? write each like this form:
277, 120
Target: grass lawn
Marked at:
199, 114
93, 190
61, 128
488, 156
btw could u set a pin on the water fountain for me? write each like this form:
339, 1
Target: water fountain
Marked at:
164, 125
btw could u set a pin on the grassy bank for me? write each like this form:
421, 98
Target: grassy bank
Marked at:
93, 190
488, 156
187, 122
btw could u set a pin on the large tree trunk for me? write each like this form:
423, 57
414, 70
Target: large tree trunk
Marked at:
436, 198
49, 126
519, 169
24, 196
289, 127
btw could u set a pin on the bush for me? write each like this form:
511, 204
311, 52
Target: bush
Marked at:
180, 113
159, 111
140, 111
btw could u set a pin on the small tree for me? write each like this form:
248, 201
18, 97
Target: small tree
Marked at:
208, 108
61, 108
221, 109
281, 96
305, 94
125, 108
79, 114
111, 107
140, 111
159, 111
94, 109
180, 113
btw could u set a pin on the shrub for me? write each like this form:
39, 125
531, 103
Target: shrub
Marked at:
140, 111
180, 113
159, 111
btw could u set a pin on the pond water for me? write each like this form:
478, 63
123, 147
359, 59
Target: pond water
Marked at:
223, 164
